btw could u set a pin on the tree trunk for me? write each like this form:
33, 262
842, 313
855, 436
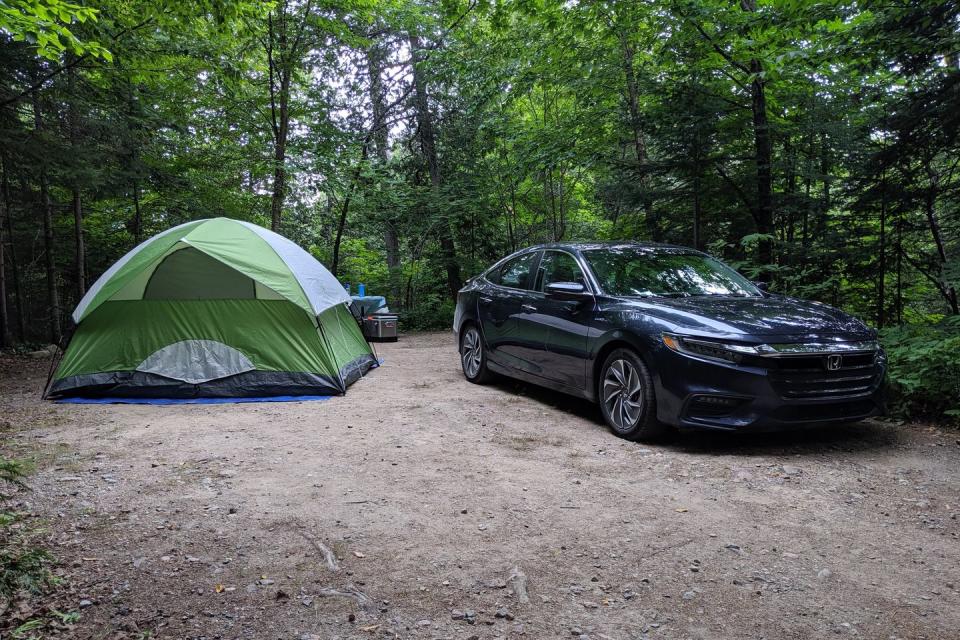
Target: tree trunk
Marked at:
882, 276
381, 141
697, 185
137, 215
132, 157
949, 292
4, 316
429, 150
763, 153
73, 122
763, 156
899, 296
279, 183
279, 61
639, 143
46, 213
345, 209
79, 262
826, 199
14, 265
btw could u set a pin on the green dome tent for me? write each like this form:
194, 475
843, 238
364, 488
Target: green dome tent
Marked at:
213, 308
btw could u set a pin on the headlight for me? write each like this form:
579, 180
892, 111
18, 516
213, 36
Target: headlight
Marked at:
726, 352
707, 349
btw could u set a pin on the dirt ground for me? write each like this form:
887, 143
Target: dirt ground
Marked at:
457, 511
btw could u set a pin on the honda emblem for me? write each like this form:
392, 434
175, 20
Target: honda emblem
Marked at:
834, 362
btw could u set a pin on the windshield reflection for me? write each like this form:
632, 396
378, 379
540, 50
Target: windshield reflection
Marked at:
673, 274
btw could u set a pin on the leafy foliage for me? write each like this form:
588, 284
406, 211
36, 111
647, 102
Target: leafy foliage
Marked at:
46, 25
924, 369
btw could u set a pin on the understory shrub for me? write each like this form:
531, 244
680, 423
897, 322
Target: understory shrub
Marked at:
23, 567
924, 370
432, 313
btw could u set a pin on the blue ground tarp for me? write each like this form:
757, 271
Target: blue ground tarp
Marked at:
188, 400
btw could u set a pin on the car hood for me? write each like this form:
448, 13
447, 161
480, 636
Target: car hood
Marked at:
771, 315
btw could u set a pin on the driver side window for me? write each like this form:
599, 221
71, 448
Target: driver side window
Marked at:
558, 266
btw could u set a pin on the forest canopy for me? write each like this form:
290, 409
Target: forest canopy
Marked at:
409, 143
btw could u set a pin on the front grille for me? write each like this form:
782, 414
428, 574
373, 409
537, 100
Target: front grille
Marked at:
810, 376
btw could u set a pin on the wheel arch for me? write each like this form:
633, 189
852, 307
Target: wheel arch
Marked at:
464, 323
621, 341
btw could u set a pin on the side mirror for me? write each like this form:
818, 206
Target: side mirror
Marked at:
763, 286
566, 290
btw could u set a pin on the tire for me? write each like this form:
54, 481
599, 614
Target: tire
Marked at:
624, 372
473, 356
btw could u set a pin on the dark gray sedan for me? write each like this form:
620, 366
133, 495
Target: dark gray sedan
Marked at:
666, 336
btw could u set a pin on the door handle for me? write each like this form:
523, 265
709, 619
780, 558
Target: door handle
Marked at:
528, 307
485, 300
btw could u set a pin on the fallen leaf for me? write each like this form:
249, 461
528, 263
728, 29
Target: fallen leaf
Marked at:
219, 588
359, 554
370, 628
681, 509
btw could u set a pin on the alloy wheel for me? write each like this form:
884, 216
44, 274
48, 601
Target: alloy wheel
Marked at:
623, 394
471, 353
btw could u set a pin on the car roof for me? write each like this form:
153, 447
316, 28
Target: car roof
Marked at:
586, 246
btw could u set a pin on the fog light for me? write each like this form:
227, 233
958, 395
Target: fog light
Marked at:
729, 402
706, 406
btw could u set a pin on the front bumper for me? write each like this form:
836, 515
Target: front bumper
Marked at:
694, 393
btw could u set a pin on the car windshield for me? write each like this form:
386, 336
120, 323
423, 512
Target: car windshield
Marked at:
645, 272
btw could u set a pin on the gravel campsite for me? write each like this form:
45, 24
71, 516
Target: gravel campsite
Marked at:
420, 506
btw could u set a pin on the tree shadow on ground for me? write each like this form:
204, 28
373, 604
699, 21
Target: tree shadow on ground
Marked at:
837, 438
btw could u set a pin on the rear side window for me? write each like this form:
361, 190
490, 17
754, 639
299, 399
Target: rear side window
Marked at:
516, 273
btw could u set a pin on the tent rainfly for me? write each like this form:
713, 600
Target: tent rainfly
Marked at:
213, 308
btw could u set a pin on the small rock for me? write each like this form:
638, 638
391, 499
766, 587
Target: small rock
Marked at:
424, 623
503, 612
590, 605
689, 595
456, 614
85, 603
823, 574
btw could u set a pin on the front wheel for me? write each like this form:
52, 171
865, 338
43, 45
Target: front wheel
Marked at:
473, 357
627, 397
